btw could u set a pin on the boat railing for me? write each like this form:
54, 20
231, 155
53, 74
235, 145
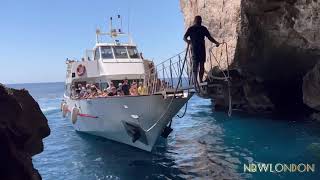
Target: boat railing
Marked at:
165, 76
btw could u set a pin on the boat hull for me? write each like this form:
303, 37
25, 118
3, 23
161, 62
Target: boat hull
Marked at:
121, 118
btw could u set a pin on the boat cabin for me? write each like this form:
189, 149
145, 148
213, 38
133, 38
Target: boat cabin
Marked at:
116, 52
108, 62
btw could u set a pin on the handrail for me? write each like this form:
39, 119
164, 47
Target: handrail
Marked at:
176, 55
226, 76
163, 76
173, 98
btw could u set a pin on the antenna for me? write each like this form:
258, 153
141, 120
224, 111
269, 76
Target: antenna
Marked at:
129, 19
130, 39
120, 18
110, 24
97, 34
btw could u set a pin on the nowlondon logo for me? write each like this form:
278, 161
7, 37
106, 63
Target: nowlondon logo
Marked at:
279, 168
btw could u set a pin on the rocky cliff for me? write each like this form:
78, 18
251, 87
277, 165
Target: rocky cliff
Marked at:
22, 128
311, 90
271, 43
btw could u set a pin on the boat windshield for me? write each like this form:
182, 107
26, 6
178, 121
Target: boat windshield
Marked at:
133, 52
120, 52
106, 52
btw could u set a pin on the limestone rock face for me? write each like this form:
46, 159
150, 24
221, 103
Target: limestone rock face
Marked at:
22, 128
275, 40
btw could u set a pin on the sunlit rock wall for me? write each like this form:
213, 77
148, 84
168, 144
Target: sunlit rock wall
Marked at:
277, 41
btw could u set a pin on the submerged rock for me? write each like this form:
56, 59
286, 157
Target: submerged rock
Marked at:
22, 128
315, 116
277, 42
314, 149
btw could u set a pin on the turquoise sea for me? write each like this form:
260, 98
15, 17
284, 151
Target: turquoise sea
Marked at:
204, 145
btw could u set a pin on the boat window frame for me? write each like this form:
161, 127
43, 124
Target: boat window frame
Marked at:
113, 54
134, 47
125, 47
94, 57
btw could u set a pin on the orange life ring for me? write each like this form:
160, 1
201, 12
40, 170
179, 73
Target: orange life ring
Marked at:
81, 69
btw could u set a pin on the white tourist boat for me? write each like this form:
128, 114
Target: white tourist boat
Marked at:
134, 120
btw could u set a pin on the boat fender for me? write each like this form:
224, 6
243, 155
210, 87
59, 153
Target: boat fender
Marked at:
64, 109
61, 106
74, 115
81, 69
164, 94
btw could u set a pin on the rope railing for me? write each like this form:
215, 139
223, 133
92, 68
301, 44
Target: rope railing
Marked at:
174, 92
226, 76
165, 76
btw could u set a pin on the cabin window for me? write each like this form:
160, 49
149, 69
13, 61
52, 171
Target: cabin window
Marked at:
120, 52
106, 52
96, 54
133, 52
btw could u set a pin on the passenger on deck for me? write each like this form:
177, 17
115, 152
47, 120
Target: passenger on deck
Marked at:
88, 91
120, 93
119, 90
73, 93
104, 93
134, 89
94, 92
126, 87
88, 86
113, 91
81, 90
98, 90
197, 34
141, 89
111, 85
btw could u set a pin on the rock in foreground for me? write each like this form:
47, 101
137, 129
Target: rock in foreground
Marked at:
22, 128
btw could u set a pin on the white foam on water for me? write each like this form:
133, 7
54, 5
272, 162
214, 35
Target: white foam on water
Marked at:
50, 110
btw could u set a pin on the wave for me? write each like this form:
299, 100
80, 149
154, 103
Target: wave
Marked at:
50, 110
50, 98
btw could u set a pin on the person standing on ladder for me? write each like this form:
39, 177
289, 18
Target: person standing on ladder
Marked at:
197, 33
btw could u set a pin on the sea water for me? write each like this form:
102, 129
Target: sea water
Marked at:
203, 145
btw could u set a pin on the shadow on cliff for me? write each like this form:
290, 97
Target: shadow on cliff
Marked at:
22, 128
283, 70
277, 62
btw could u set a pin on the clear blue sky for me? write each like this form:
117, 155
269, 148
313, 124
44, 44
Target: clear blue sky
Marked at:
36, 36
